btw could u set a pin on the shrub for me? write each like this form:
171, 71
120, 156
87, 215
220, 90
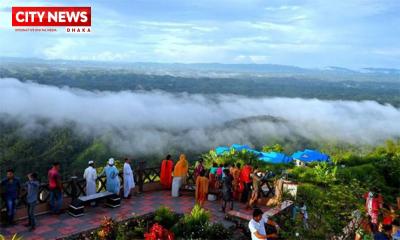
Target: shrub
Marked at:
218, 231
193, 225
329, 208
165, 216
231, 157
321, 173
367, 174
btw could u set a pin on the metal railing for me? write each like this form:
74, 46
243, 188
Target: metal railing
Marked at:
75, 187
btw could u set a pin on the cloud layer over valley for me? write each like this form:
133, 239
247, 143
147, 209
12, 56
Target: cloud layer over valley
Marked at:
154, 122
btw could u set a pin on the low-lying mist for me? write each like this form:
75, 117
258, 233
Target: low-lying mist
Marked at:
154, 122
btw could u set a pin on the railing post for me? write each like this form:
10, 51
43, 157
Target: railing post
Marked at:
74, 187
141, 167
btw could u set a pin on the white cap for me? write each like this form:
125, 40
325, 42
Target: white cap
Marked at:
111, 161
90, 162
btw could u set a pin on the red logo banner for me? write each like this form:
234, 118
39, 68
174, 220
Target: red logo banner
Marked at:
51, 17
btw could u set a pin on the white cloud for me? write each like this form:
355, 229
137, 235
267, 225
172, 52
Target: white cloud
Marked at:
135, 122
61, 49
258, 59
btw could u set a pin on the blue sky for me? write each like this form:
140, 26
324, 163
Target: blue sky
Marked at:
307, 33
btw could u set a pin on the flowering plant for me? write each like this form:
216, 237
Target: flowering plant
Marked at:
158, 232
107, 229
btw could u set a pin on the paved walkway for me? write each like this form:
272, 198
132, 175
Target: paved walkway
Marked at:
51, 227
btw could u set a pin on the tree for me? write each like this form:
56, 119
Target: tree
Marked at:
273, 148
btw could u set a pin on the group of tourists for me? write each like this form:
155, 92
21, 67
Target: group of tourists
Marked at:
381, 222
113, 183
11, 188
230, 182
10, 191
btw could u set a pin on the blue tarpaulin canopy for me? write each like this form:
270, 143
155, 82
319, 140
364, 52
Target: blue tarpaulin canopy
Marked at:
275, 158
239, 147
222, 150
255, 152
308, 156
269, 157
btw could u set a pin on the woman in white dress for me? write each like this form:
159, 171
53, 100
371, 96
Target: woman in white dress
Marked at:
129, 182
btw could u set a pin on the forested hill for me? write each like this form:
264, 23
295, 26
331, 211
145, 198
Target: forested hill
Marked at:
335, 84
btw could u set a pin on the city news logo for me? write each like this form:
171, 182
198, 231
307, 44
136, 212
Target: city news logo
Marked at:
48, 19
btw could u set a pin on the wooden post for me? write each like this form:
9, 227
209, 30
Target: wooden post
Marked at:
74, 188
141, 167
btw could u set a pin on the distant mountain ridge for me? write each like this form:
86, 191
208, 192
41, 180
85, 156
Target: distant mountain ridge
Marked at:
153, 67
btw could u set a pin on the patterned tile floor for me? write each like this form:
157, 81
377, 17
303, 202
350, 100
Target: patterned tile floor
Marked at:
52, 227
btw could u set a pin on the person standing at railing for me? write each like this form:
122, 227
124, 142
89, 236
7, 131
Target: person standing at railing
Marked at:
227, 190
201, 188
199, 168
213, 177
180, 173
167, 166
10, 187
246, 181
32, 187
55, 188
129, 183
90, 175
235, 172
373, 204
111, 173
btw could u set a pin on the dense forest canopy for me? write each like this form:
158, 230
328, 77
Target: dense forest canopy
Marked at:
381, 85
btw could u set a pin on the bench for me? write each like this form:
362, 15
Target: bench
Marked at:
278, 208
242, 219
76, 208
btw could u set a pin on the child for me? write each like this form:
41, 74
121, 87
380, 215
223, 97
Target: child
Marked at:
302, 209
227, 190
32, 186
201, 188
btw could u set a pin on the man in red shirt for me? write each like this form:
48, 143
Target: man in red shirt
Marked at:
55, 188
247, 181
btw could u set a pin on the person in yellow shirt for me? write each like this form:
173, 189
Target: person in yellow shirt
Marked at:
201, 188
180, 173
